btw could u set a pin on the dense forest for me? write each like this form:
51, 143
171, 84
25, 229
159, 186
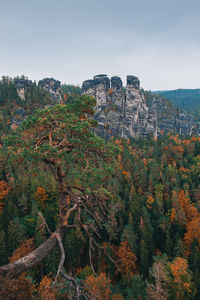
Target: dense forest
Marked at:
87, 218
188, 99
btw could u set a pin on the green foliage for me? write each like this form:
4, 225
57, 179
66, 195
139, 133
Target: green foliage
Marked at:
134, 190
189, 99
3, 250
137, 289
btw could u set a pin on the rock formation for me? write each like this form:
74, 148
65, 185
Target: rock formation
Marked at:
22, 84
52, 86
120, 111
126, 112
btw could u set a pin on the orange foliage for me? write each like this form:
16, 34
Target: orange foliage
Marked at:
98, 287
188, 208
65, 97
25, 248
195, 139
68, 200
186, 142
173, 215
178, 149
4, 189
184, 170
193, 231
179, 269
126, 259
41, 197
150, 201
145, 162
165, 148
176, 139
191, 218
118, 142
46, 290
119, 158
126, 174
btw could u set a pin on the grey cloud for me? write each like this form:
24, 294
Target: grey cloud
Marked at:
71, 40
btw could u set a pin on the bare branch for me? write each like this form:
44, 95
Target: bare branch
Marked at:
44, 222
90, 255
74, 282
73, 208
62, 260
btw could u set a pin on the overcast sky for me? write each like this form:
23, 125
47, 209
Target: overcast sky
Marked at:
72, 40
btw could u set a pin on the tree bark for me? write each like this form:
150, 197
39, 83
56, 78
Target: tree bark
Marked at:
32, 259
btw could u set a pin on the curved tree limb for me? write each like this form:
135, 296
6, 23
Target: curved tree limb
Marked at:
33, 258
62, 260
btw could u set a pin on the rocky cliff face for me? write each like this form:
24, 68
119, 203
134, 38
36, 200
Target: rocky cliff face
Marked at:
22, 84
52, 86
120, 111
129, 112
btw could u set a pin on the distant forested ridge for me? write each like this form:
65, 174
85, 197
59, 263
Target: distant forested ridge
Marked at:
188, 99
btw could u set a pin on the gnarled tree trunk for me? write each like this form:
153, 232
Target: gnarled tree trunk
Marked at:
35, 257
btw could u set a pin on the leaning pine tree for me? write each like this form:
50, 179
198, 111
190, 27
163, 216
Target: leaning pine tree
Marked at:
60, 140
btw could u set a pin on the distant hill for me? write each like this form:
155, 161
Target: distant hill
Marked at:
188, 99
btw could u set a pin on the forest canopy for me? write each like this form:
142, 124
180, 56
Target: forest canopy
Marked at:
81, 217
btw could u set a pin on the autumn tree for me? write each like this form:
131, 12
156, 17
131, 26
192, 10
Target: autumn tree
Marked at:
4, 189
180, 279
98, 287
125, 259
60, 140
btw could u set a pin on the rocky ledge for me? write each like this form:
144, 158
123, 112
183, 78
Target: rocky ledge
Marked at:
127, 112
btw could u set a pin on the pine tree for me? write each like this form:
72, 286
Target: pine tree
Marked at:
3, 250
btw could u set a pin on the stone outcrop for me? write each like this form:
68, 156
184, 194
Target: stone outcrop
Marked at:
22, 84
120, 111
126, 112
52, 86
